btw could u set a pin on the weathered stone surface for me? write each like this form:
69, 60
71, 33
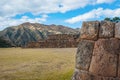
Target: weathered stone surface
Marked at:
117, 30
118, 67
89, 30
56, 41
111, 45
85, 75
106, 29
104, 60
105, 78
82, 75
84, 54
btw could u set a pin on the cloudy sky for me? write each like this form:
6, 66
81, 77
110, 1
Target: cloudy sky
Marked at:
61, 12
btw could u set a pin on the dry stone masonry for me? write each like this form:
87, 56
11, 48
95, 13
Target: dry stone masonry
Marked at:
56, 41
98, 53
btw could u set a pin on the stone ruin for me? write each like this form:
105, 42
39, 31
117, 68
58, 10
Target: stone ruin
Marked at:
98, 53
56, 41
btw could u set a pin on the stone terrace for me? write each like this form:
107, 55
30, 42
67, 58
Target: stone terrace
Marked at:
56, 41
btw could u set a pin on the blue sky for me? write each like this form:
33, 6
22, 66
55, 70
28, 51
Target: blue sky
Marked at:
69, 13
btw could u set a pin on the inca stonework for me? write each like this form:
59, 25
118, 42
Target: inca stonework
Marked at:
98, 53
56, 41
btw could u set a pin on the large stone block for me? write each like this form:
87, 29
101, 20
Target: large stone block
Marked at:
85, 75
111, 45
118, 67
104, 59
84, 54
117, 30
105, 78
106, 29
82, 75
89, 30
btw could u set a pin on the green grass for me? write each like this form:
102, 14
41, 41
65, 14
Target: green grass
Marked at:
37, 64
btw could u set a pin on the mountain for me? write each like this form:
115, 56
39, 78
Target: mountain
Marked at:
22, 34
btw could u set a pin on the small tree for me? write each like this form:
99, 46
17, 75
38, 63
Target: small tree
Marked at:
115, 19
107, 19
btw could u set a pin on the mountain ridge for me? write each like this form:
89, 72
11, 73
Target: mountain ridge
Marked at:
26, 32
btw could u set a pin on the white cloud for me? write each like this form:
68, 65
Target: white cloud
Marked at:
5, 22
94, 14
13, 7
104, 1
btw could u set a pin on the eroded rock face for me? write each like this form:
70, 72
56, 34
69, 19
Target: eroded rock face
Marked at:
98, 53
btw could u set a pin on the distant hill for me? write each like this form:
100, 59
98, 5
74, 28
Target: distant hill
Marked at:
22, 34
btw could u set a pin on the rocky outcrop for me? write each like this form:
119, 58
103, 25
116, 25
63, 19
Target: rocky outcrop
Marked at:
98, 53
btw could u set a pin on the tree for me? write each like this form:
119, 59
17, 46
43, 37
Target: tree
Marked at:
115, 19
107, 19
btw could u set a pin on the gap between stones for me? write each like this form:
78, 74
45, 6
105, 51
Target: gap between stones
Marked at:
91, 56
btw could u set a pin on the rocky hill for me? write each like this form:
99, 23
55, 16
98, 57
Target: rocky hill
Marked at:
22, 34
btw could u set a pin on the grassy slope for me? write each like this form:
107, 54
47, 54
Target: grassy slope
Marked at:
36, 64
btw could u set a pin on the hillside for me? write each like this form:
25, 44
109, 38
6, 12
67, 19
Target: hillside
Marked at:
4, 43
22, 34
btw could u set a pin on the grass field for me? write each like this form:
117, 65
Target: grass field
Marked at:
37, 64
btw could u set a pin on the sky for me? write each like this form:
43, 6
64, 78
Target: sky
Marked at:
70, 13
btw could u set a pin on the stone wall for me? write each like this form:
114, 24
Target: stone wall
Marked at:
98, 53
56, 41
